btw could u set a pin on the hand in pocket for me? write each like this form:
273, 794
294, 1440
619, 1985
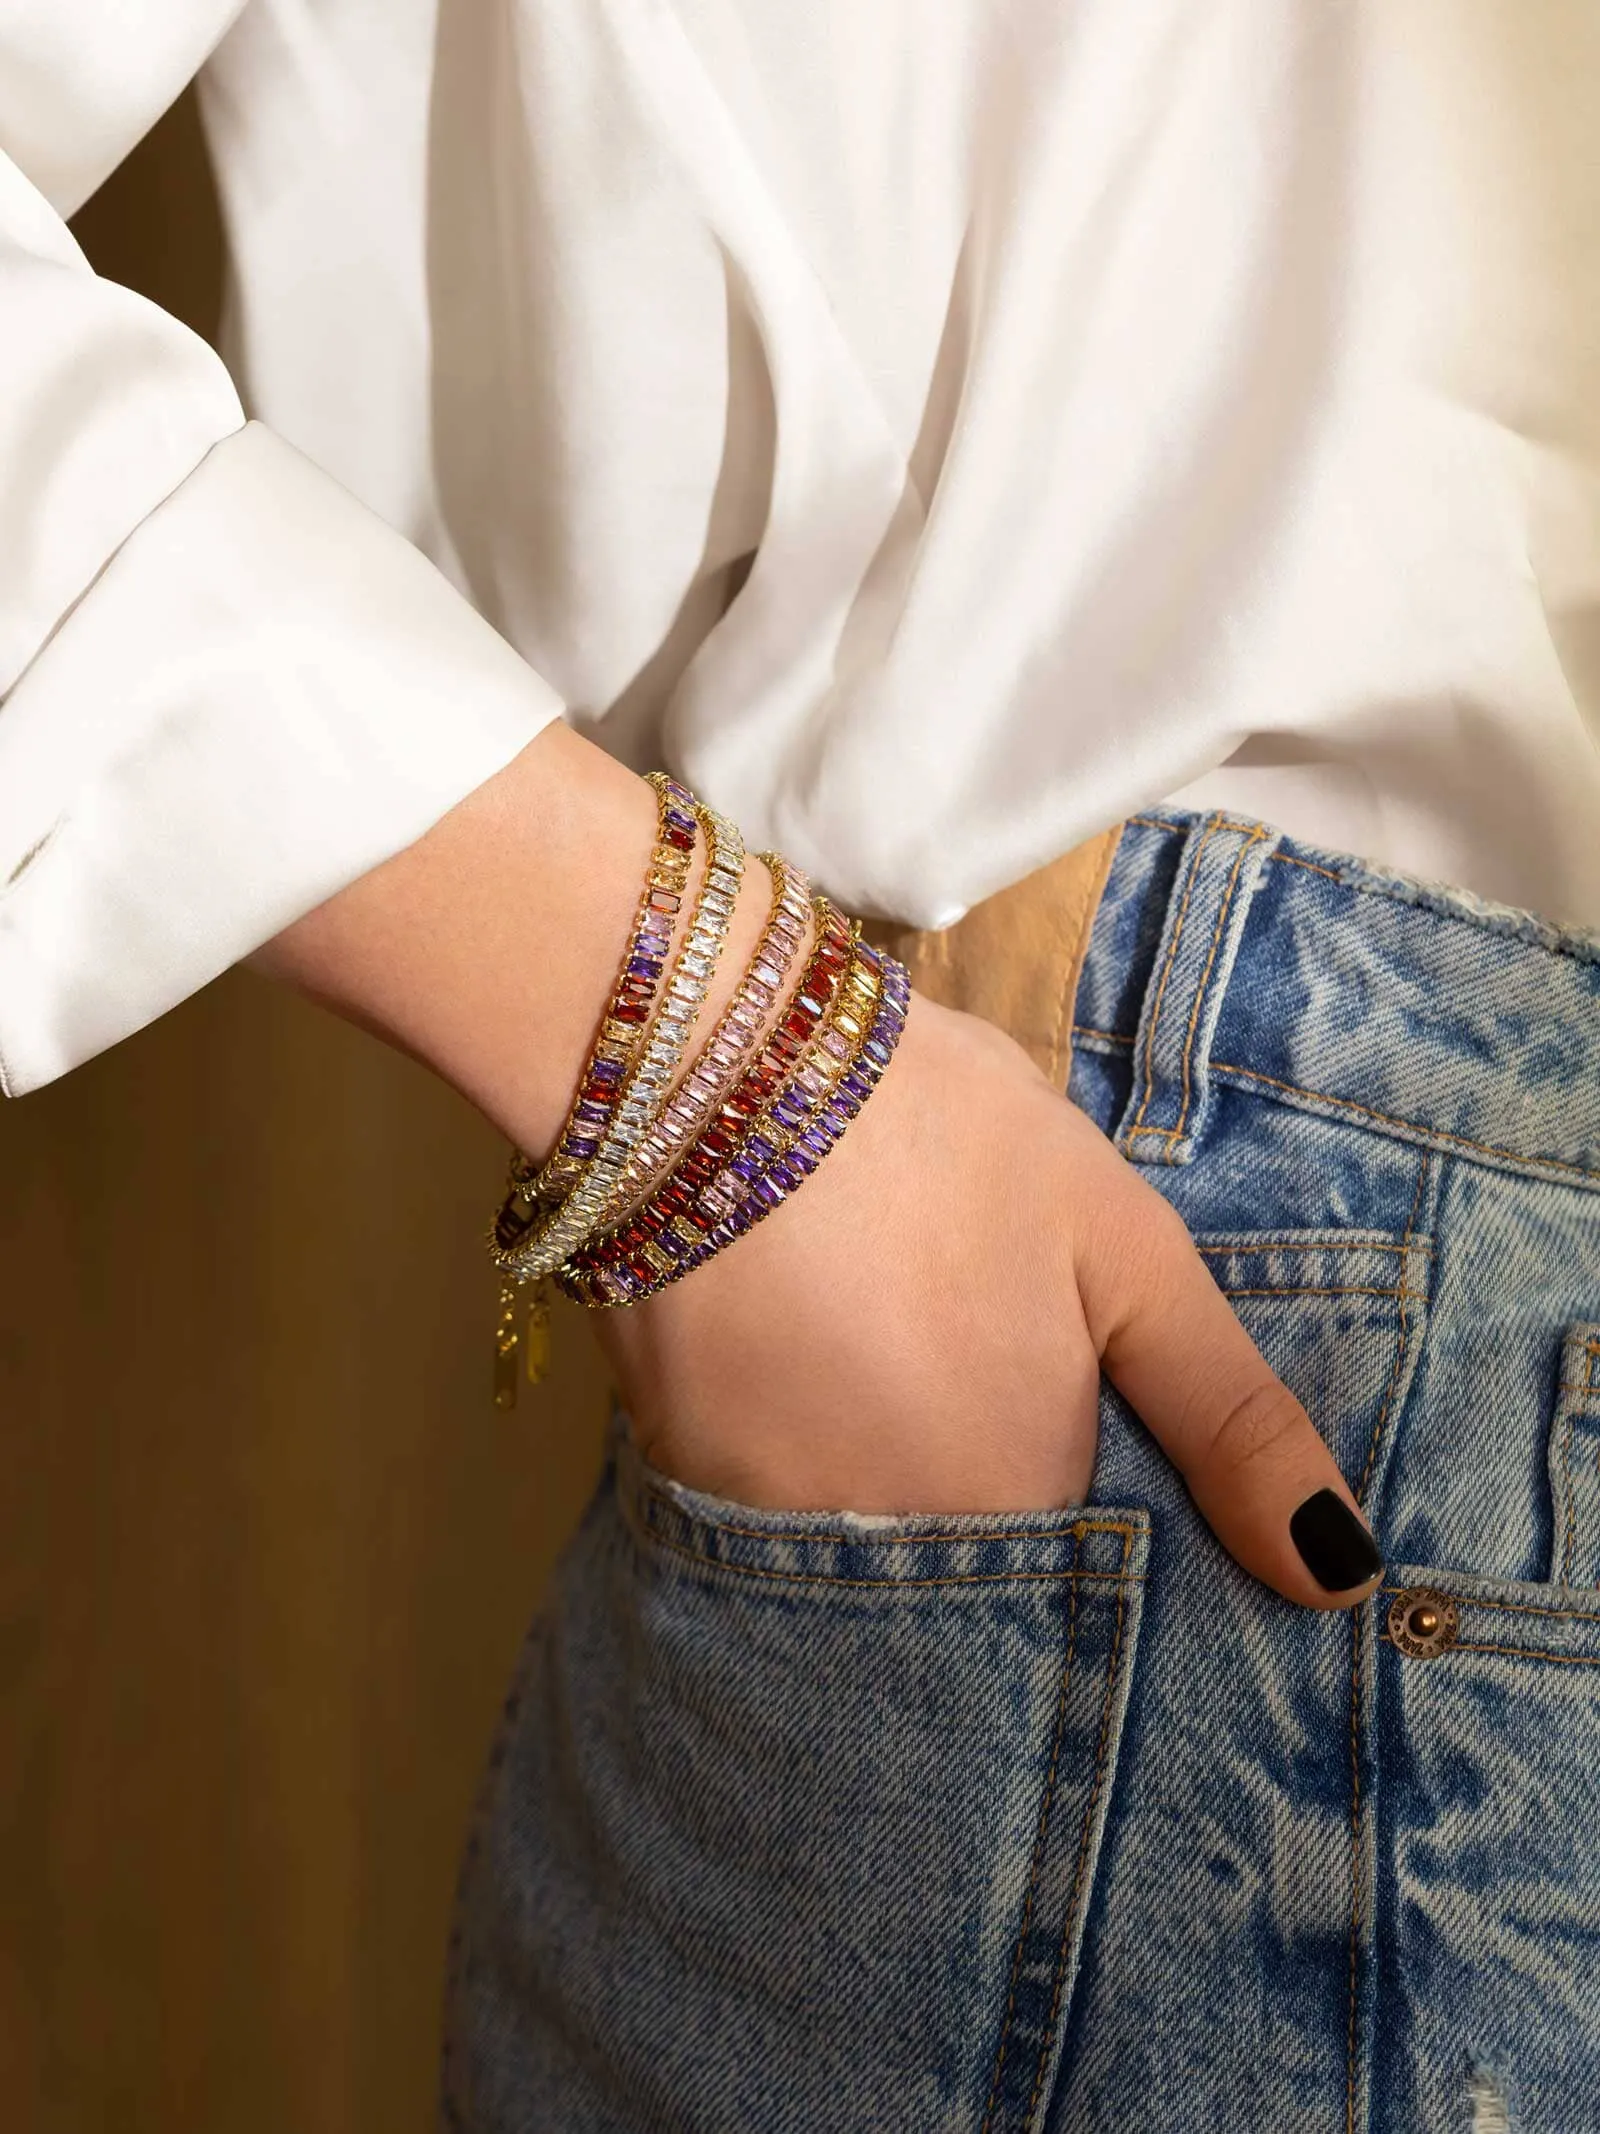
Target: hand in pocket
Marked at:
923, 1328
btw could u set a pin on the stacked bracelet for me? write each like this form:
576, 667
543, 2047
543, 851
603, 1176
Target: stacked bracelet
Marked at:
818, 1121
782, 1147
671, 1219
533, 1238
726, 1050
622, 1027
651, 1175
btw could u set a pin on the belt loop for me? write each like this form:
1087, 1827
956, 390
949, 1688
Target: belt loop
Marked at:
1221, 869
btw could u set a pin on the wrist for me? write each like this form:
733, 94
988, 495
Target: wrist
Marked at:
489, 949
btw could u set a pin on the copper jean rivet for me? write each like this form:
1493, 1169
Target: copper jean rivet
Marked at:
1423, 1623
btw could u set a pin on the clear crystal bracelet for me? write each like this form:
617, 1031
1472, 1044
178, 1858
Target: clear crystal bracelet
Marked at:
652, 1175
546, 1216
729, 1046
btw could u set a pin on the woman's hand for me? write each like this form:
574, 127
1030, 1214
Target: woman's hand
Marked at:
923, 1326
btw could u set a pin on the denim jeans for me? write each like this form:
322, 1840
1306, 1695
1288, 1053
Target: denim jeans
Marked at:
807, 1824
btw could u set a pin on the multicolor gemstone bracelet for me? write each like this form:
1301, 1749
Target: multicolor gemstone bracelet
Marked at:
750, 1141
715, 1066
550, 1231
652, 1175
545, 1214
785, 1144
622, 1027
675, 1199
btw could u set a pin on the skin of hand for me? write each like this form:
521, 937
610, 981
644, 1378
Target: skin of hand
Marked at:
923, 1327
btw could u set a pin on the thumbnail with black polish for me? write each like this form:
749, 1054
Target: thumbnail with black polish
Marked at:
1336, 1548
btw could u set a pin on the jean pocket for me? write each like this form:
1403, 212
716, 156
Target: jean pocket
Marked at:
804, 1829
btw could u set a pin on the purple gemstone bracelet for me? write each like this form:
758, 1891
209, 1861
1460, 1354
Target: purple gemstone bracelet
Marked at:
774, 1171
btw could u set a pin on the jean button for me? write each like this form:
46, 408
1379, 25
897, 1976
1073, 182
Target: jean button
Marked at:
1422, 1622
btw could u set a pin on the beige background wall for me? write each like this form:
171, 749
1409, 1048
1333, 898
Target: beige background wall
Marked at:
265, 1550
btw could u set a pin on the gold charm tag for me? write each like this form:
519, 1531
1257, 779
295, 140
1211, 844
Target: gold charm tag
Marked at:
511, 1334
505, 1349
536, 1335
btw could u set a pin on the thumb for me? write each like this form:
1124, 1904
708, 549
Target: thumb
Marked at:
1255, 1466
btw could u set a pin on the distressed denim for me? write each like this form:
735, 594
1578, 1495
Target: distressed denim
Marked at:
807, 1824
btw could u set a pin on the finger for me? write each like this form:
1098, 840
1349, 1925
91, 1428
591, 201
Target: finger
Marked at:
1254, 1463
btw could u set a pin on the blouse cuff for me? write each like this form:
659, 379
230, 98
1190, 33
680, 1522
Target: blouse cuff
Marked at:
266, 692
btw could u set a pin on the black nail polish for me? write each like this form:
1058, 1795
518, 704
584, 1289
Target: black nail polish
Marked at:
1337, 1549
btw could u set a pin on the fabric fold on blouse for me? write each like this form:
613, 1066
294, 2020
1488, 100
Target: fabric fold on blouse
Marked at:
264, 693
227, 688
932, 433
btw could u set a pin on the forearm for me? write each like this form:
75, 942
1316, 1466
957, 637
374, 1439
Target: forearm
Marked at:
488, 949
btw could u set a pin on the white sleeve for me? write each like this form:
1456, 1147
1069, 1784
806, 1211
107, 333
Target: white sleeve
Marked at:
226, 688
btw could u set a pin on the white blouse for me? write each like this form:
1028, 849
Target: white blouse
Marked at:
935, 427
